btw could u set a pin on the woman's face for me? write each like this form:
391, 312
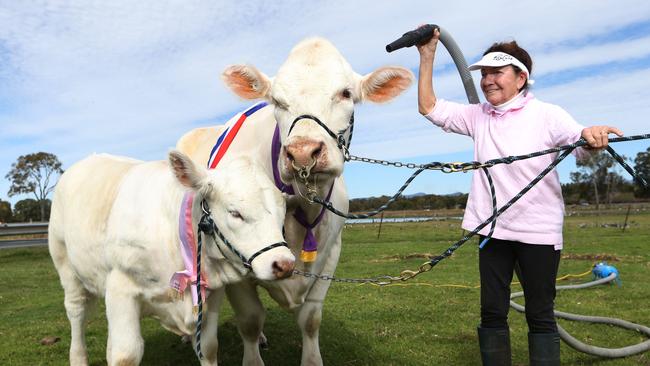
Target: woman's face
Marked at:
500, 84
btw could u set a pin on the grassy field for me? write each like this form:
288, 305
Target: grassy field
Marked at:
427, 321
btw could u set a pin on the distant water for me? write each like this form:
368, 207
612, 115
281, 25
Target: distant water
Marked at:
372, 220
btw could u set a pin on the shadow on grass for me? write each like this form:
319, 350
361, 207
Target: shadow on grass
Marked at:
285, 345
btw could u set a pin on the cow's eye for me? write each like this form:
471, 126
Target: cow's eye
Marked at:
346, 94
235, 214
280, 104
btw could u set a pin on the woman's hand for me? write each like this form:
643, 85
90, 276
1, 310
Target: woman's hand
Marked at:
426, 96
429, 49
597, 136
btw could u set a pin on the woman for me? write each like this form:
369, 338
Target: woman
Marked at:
529, 233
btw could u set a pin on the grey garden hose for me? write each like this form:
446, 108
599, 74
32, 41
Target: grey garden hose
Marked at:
589, 349
461, 65
422, 35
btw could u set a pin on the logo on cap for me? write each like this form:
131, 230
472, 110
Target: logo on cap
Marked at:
502, 57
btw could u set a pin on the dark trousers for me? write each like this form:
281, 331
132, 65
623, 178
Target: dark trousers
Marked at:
538, 266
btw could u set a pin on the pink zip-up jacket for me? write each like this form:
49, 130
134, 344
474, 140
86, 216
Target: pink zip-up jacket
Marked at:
526, 125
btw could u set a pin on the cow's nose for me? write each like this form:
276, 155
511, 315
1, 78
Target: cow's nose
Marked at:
283, 268
304, 152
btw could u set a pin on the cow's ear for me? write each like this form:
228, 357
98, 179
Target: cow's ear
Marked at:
186, 172
385, 83
246, 81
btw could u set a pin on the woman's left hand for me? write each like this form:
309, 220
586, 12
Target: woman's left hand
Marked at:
597, 136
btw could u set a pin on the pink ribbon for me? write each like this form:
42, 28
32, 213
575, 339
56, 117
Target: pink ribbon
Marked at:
181, 279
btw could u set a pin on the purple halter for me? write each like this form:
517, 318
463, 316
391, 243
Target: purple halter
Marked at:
309, 244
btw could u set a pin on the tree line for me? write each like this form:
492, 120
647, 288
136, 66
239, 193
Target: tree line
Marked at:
599, 180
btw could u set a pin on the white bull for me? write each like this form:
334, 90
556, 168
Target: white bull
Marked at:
317, 81
114, 232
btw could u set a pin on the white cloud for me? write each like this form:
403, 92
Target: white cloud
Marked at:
569, 58
130, 77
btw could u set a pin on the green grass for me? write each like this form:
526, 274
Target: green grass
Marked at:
421, 322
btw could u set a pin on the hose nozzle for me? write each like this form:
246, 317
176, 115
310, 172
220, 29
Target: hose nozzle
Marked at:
416, 36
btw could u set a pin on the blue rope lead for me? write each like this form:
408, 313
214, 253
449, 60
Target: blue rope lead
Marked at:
494, 208
638, 178
198, 291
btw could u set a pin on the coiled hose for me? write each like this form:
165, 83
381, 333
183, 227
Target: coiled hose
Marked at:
586, 348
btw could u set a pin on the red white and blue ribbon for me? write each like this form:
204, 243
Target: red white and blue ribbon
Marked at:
228, 135
309, 245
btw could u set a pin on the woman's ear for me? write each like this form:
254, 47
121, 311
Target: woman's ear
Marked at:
521, 80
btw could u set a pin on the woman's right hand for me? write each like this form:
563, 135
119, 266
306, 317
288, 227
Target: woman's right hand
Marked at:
429, 49
597, 137
426, 96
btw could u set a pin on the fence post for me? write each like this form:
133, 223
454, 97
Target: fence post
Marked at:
626, 216
381, 219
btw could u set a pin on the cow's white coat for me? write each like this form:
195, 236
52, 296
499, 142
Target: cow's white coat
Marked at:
113, 233
316, 80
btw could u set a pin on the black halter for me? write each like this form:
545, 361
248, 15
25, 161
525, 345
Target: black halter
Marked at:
343, 145
208, 226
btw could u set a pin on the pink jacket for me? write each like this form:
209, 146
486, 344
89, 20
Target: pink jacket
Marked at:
526, 126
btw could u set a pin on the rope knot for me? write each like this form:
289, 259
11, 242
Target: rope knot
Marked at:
206, 224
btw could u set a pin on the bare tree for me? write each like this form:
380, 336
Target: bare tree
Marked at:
597, 171
34, 173
642, 167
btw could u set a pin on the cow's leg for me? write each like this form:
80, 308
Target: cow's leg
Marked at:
77, 301
250, 315
79, 305
309, 314
209, 340
123, 314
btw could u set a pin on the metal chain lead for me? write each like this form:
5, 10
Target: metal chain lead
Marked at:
328, 205
464, 167
381, 280
398, 164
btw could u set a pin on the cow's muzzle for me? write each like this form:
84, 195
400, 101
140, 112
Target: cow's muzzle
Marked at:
339, 137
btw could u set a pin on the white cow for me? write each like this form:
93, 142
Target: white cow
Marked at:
114, 232
316, 81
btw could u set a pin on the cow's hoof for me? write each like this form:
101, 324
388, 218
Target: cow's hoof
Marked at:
263, 342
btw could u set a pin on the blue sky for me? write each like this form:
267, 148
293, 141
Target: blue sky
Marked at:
129, 78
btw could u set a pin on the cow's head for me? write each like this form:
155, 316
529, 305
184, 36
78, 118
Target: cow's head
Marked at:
318, 82
247, 209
